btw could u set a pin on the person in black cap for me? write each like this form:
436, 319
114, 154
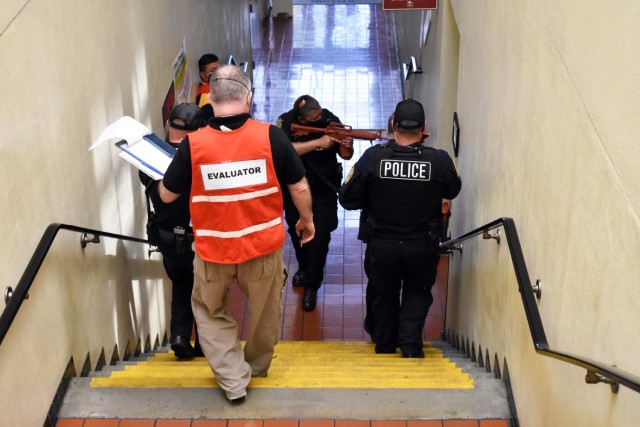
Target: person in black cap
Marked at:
171, 223
401, 185
318, 153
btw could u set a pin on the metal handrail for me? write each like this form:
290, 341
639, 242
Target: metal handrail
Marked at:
596, 371
22, 288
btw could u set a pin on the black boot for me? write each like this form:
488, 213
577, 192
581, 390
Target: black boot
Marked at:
309, 299
416, 353
182, 348
298, 278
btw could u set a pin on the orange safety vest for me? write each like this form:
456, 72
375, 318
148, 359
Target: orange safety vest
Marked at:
236, 200
203, 89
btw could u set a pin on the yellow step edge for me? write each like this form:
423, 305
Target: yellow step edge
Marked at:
350, 346
434, 383
318, 370
301, 363
295, 374
305, 364
357, 353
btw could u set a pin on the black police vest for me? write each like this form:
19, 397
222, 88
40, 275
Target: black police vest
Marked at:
404, 196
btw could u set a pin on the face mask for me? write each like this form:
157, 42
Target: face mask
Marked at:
316, 124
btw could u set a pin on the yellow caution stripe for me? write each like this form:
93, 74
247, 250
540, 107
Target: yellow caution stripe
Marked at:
305, 364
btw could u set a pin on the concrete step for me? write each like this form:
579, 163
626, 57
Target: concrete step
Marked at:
308, 380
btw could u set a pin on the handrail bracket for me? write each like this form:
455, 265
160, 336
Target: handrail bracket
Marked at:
8, 293
537, 289
496, 236
593, 377
450, 249
85, 239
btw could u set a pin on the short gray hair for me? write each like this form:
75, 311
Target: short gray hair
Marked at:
229, 83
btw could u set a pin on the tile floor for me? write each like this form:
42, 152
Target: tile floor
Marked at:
278, 423
345, 56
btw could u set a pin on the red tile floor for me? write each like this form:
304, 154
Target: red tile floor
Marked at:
345, 56
278, 423
339, 314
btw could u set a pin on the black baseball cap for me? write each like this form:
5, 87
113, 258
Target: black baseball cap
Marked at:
409, 115
190, 115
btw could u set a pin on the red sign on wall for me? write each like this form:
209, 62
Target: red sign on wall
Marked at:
409, 4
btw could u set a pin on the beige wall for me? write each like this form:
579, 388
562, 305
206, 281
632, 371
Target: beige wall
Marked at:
69, 69
547, 94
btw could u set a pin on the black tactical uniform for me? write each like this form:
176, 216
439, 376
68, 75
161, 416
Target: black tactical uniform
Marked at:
172, 229
401, 188
324, 175
175, 238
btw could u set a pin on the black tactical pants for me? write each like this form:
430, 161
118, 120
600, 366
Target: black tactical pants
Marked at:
179, 268
401, 274
312, 257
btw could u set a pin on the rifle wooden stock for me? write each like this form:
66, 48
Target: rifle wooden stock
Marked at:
338, 131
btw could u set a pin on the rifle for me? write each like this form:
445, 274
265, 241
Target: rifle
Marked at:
446, 214
338, 131
444, 225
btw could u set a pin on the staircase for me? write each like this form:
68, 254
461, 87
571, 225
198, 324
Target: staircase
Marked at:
307, 380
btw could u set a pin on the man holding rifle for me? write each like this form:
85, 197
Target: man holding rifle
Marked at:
318, 152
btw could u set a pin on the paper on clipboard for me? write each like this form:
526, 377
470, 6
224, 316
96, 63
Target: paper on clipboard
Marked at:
152, 154
125, 128
137, 163
143, 149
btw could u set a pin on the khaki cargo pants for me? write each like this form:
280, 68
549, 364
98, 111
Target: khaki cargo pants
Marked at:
262, 280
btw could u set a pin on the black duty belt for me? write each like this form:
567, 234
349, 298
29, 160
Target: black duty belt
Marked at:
180, 238
431, 232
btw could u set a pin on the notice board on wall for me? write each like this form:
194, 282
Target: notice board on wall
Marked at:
409, 4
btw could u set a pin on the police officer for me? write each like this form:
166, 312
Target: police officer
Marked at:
318, 153
401, 185
171, 225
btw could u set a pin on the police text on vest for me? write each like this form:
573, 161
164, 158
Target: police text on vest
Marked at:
405, 169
